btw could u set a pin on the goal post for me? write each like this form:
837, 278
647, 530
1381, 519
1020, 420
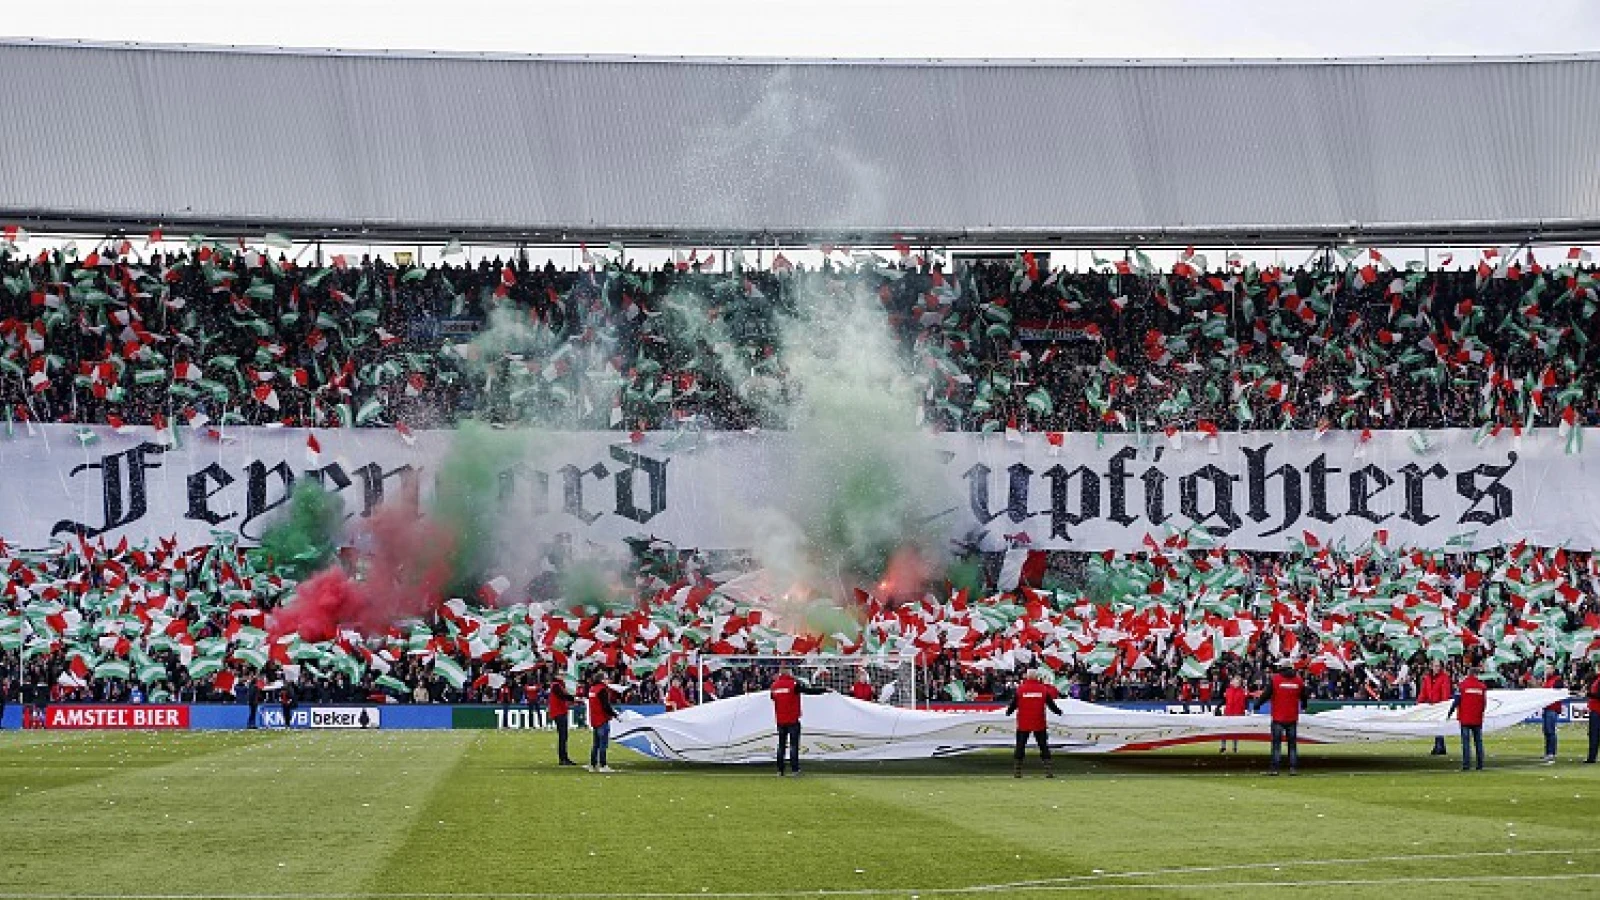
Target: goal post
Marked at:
895, 677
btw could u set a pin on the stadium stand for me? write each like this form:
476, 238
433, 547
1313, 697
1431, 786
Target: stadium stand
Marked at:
225, 335
245, 338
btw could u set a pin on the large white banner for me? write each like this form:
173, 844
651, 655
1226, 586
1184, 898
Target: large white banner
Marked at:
742, 729
1258, 490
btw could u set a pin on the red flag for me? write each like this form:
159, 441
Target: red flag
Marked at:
266, 396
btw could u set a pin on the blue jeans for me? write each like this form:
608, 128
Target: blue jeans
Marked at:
1547, 721
789, 742
597, 750
1471, 739
1289, 731
561, 738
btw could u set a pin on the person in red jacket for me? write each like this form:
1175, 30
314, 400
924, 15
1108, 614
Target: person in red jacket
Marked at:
1550, 717
862, 689
601, 711
1593, 698
786, 692
1468, 706
1436, 688
1032, 698
1235, 702
560, 703
676, 698
1287, 693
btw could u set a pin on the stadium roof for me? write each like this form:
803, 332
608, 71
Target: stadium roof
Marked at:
539, 149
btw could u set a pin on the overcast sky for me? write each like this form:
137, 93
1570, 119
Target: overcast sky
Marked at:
860, 28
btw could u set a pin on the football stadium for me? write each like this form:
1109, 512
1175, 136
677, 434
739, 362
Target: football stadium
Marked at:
479, 474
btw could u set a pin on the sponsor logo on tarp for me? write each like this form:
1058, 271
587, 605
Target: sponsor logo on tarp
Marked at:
116, 717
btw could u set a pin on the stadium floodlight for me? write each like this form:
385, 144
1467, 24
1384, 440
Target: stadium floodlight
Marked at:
895, 677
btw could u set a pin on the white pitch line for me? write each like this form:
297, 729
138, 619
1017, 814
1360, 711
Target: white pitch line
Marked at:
1322, 883
1295, 864
1075, 883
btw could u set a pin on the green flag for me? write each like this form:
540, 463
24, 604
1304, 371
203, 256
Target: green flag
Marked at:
446, 668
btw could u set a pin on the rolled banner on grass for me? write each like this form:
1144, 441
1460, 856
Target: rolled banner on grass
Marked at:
839, 728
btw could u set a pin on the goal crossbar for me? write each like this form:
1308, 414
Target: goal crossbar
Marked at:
894, 677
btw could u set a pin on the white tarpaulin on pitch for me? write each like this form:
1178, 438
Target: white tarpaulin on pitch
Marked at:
741, 729
1252, 490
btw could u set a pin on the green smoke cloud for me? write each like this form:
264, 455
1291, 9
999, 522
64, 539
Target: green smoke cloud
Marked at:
466, 501
304, 536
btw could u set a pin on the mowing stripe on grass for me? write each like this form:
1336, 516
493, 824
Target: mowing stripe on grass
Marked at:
863, 892
350, 795
1091, 882
1294, 864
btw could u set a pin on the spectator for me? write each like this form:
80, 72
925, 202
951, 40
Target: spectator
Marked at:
1436, 688
1592, 700
287, 702
1032, 698
1287, 694
1234, 703
786, 710
561, 701
862, 688
676, 698
1471, 699
1550, 717
601, 712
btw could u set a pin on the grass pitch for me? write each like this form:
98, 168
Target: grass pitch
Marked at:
480, 814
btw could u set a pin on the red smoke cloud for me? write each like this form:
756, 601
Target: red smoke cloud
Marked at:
906, 575
405, 568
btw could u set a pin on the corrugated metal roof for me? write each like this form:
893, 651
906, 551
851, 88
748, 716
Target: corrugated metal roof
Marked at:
1047, 151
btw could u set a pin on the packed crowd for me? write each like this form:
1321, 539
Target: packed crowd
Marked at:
234, 334
158, 623
231, 334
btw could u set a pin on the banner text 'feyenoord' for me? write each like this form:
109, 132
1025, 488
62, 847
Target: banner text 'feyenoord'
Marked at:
1256, 490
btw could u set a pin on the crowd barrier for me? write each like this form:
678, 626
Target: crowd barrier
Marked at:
407, 717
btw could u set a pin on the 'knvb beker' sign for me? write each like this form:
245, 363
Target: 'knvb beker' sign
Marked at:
1258, 490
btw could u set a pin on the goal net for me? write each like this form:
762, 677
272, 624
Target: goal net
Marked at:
893, 677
